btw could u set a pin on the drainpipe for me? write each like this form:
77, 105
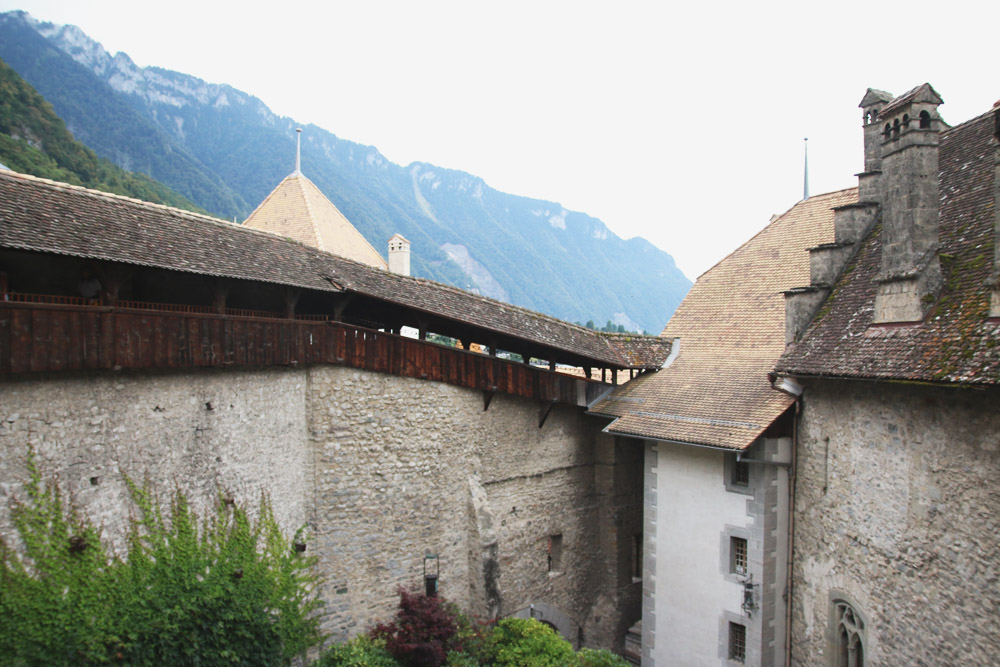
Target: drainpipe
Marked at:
787, 385
791, 535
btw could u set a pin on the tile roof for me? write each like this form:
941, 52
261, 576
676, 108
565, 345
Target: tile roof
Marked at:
731, 329
45, 216
956, 342
297, 209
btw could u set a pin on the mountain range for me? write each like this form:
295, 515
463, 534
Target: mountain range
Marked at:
225, 150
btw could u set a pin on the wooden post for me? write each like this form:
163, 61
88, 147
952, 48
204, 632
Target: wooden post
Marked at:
291, 296
220, 290
112, 277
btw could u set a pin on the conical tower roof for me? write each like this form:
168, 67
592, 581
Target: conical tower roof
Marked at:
297, 209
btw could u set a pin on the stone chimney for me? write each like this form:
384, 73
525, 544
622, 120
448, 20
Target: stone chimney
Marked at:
995, 300
399, 255
852, 223
910, 274
868, 180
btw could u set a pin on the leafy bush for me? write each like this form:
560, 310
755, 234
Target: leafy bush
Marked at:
362, 651
232, 592
524, 642
600, 658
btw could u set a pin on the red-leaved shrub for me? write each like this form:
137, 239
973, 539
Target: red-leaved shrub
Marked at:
421, 633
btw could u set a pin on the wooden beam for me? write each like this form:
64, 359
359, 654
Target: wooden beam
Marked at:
487, 399
340, 304
290, 295
544, 414
220, 290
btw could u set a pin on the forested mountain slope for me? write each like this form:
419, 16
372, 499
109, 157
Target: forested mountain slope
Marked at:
225, 150
34, 140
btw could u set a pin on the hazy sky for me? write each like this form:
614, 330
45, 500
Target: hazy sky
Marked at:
682, 123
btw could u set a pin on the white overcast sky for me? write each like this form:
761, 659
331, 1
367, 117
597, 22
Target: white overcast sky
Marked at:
679, 122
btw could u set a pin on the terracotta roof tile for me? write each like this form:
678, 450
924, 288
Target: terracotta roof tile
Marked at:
957, 342
731, 329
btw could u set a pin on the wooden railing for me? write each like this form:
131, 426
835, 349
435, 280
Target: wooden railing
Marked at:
37, 337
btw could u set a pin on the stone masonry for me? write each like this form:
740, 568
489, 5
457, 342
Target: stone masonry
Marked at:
383, 469
896, 511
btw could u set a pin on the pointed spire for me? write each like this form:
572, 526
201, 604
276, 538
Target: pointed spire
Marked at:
298, 151
805, 175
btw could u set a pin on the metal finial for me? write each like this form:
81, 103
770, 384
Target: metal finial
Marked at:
805, 175
298, 150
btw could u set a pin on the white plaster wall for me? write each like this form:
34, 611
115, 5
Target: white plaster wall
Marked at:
693, 510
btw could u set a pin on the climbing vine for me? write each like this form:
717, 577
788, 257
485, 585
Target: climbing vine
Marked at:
230, 589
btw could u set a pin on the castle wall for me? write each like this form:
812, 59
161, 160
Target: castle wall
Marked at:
895, 512
384, 469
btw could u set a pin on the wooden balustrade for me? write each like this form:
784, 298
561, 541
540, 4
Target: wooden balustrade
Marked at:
39, 337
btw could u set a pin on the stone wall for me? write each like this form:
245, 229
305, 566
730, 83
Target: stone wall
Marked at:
203, 432
384, 469
896, 511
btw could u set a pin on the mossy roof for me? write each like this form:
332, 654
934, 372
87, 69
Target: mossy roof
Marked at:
957, 342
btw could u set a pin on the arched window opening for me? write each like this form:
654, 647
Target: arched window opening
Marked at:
849, 634
906, 121
887, 132
925, 120
895, 128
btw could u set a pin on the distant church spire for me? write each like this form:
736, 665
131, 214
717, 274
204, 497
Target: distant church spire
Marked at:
805, 175
298, 151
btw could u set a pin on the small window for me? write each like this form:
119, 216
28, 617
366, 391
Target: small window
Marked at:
555, 553
925, 120
741, 473
895, 128
737, 642
737, 555
906, 120
887, 132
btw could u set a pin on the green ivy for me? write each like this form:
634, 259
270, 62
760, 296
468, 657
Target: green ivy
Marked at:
229, 590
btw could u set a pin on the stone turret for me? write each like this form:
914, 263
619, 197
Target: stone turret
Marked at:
910, 272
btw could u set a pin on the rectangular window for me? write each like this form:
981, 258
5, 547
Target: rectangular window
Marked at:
737, 642
737, 555
555, 553
741, 473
